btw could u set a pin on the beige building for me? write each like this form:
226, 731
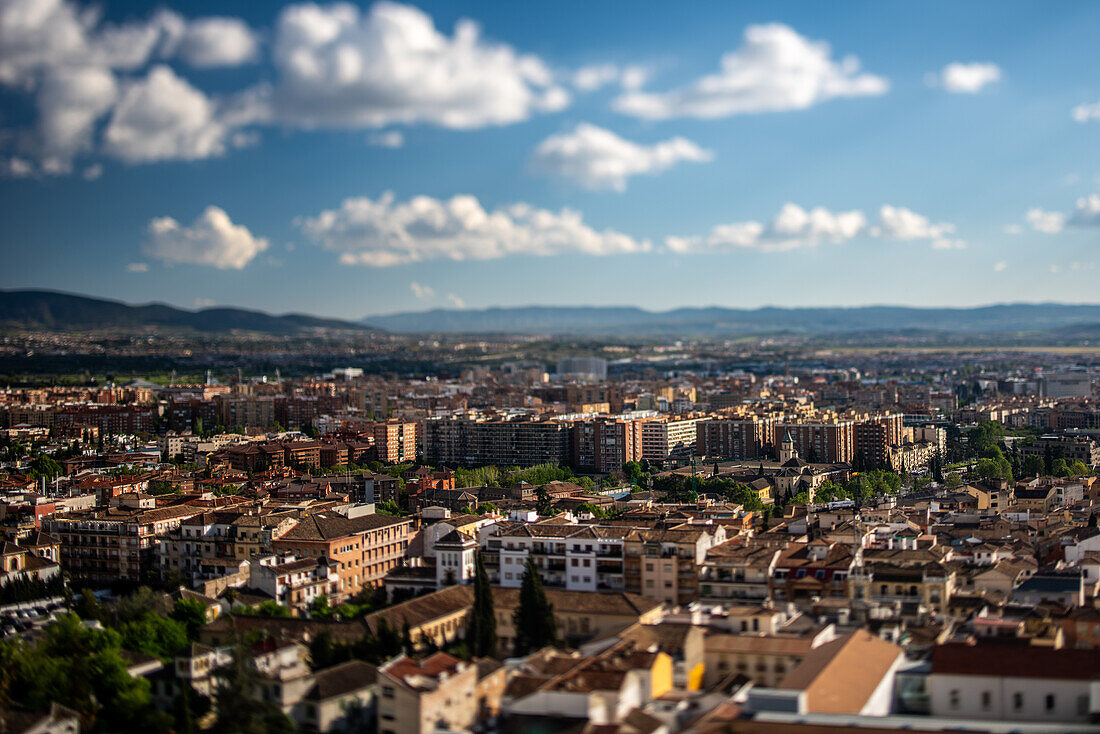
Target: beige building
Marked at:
438, 692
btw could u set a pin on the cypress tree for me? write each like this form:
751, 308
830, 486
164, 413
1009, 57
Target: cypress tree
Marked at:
481, 634
534, 619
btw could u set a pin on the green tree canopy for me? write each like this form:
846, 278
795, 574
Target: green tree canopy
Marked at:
534, 621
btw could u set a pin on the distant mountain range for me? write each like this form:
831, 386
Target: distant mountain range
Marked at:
51, 311
716, 321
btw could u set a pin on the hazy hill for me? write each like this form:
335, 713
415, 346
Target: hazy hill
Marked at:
52, 311
719, 321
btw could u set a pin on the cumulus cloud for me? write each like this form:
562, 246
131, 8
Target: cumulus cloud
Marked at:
967, 78
1086, 112
69, 102
338, 67
599, 159
794, 227
1087, 213
384, 232
212, 239
456, 301
76, 66
218, 41
774, 70
999, 266
163, 117
1045, 221
590, 78
421, 291
388, 139
40, 35
900, 223
137, 268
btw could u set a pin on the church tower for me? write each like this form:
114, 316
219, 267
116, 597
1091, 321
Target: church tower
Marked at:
786, 449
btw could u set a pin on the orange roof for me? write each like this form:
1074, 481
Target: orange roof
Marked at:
840, 676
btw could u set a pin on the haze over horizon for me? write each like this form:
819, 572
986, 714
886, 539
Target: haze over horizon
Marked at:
354, 160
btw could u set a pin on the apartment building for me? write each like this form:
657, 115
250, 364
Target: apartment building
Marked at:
822, 440
365, 548
735, 438
437, 692
604, 444
104, 546
574, 557
471, 438
395, 441
664, 563
667, 436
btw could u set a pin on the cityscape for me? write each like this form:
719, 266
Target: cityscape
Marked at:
470, 368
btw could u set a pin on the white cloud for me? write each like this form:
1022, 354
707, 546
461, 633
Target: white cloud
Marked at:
204, 302
1055, 269
40, 35
16, 167
1013, 229
92, 172
599, 159
162, 117
899, 223
999, 266
456, 301
383, 232
1045, 221
137, 268
218, 41
590, 78
213, 239
388, 139
421, 291
794, 227
338, 67
968, 78
1087, 213
1086, 112
75, 66
69, 102
775, 70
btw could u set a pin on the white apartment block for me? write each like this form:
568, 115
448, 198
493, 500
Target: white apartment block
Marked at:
665, 437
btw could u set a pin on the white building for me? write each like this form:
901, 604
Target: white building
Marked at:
1014, 681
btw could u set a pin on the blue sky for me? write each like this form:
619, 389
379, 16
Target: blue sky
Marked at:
347, 160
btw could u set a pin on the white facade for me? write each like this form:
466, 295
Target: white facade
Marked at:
1012, 699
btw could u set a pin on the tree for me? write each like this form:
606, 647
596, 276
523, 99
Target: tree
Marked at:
154, 635
389, 642
192, 613
1078, 469
536, 626
237, 708
543, 502
1033, 466
481, 633
1059, 468
44, 466
985, 435
953, 481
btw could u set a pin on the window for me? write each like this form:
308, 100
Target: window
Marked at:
987, 700
954, 698
1017, 700
387, 691
1049, 702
